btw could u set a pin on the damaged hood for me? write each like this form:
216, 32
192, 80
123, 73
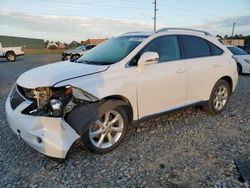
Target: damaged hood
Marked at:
49, 75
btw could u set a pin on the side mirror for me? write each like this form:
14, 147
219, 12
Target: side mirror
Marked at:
147, 58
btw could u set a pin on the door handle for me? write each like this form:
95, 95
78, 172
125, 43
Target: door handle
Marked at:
179, 71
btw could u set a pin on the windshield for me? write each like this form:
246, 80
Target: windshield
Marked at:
79, 47
112, 50
237, 51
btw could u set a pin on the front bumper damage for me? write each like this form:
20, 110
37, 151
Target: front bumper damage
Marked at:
48, 135
53, 136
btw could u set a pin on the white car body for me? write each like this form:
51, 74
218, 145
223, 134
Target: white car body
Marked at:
17, 50
243, 60
150, 90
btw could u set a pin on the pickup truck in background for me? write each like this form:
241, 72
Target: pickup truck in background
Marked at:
10, 53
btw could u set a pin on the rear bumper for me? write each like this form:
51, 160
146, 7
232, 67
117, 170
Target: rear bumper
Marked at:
51, 136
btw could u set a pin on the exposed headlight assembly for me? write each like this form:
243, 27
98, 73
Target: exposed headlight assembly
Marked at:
56, 106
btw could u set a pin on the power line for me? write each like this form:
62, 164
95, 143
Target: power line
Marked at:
185, 10
63, 15
96, 5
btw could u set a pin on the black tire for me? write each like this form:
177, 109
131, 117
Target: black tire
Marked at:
87, 141
11, 56
239, 68
209, 106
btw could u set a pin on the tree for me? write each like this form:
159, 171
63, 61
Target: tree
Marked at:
241, 36
73, 44
218, 36
46, 43
226, 37
236, 36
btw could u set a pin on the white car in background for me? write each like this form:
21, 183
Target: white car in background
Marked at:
126, 78
10, 53
242, 58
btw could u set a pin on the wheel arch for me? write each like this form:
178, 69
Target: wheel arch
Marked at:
128, 108
9, 52
229, 80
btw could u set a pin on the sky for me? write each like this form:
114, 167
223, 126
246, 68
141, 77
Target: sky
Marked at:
62, 20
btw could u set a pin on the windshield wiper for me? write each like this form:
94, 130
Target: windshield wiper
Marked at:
93, 62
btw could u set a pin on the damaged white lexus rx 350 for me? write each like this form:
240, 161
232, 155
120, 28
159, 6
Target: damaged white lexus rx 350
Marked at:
127, 78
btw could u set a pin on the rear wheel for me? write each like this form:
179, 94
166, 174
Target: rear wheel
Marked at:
106, 133
11, 56
219, 98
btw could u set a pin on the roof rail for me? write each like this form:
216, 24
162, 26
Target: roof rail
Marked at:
132, 32
168, 29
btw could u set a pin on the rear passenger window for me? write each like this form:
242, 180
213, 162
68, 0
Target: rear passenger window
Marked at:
215, 50
194, 47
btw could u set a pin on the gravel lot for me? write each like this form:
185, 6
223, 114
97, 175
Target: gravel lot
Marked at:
184, 149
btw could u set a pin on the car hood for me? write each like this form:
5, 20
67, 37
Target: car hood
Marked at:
49, 75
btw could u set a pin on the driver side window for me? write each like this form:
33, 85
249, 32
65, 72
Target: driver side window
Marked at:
167, 47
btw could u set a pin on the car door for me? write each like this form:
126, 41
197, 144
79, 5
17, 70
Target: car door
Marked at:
162, 86
205, 66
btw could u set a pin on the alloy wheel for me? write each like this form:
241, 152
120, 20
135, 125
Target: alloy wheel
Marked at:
220, 97
107, 130
11, 57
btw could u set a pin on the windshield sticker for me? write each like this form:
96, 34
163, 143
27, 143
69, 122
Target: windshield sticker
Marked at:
137, 39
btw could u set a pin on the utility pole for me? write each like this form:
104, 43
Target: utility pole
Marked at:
155, 9
232, 33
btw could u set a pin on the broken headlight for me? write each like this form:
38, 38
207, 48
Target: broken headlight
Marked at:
57, 102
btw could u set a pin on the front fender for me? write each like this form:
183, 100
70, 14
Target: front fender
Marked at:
82, 117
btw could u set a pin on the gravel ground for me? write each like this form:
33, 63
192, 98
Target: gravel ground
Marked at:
184, 149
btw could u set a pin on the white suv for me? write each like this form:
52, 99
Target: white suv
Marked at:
127, 78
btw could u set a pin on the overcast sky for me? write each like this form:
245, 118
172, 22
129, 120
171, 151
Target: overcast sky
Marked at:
81, 19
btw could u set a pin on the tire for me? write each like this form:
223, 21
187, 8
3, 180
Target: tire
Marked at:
219, 98
92, 142
11, 56
239, 68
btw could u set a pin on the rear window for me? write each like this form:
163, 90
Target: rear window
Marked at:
215, 50
194, 47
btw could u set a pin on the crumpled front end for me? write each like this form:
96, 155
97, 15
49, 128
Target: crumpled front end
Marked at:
40, 122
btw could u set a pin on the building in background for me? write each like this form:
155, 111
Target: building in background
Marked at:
28, 43
93, 41
235, 42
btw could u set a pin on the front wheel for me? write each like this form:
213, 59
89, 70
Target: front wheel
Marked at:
219, 98
106, 133
11, 56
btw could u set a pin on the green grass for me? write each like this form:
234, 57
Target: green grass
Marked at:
42, 51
